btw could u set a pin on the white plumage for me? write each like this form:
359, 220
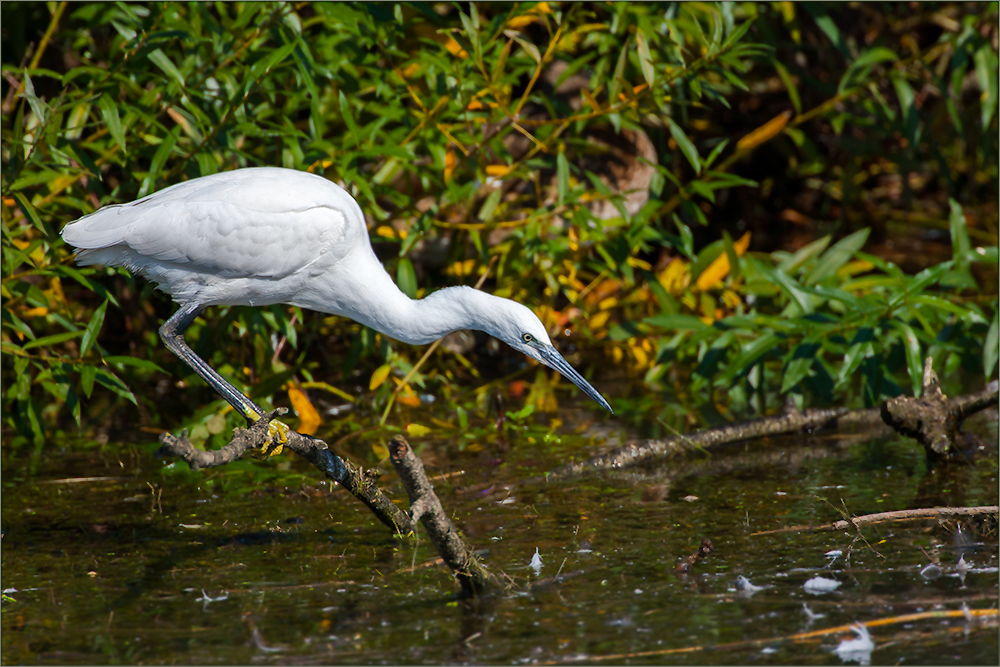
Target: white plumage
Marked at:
263, 236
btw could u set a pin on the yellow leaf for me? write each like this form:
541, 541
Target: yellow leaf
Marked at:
765, 132
590, 99
599, 320
498, 169
330, 388
308, 416
381, 451
640, 355
853, 267
719, 268
379, 376
455, 48
460, 268
40, 311
637, 263
676, 277
409, 399
610, 302
416, 430
37, 255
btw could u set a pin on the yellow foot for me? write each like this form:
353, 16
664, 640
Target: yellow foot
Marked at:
277, 436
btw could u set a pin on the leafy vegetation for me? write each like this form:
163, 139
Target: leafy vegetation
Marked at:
725, 202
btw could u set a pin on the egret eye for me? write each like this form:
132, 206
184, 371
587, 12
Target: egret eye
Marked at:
527, 337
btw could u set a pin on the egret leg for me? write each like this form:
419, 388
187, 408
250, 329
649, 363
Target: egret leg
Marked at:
172, 333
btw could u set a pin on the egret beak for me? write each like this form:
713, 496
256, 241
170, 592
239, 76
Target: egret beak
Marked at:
551, 358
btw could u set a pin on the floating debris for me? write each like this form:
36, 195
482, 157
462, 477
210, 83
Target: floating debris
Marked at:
743, 585
820, 585
536, 562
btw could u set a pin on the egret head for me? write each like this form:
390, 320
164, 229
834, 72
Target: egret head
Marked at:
520, 328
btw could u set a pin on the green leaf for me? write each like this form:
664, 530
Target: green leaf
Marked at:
54, 339
562, 176
161, 60
159, 158
109, 110
528, 47
114, 383
93, 328
345, 112
860, 349
959, 234
489, 208
87, 374
865, 62
788, 285
985, 59
645, 58
690, 152
721, 146
674, 322
133, 361
804, 254
615, 86
837, 256
826, 24
263, 67
38, 106
406, 277
908, 107
911, 346
30, 213
799, 366
948, 307
786, 80
991, 346
749, 356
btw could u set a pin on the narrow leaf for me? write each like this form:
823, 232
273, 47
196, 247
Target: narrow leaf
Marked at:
837, 256
109, 110
406, 277
161, 60
690, 152
93, 328
911, 346
645, 59
991, 346
562, 176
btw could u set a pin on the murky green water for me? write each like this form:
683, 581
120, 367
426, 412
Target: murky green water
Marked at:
260, 563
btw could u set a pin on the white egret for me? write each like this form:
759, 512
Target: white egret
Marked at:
262, 236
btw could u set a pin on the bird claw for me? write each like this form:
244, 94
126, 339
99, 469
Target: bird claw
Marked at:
277, 436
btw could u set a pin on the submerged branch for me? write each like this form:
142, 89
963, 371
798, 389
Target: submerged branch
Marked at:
425, 507
358, 481
897, 515
789, 422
